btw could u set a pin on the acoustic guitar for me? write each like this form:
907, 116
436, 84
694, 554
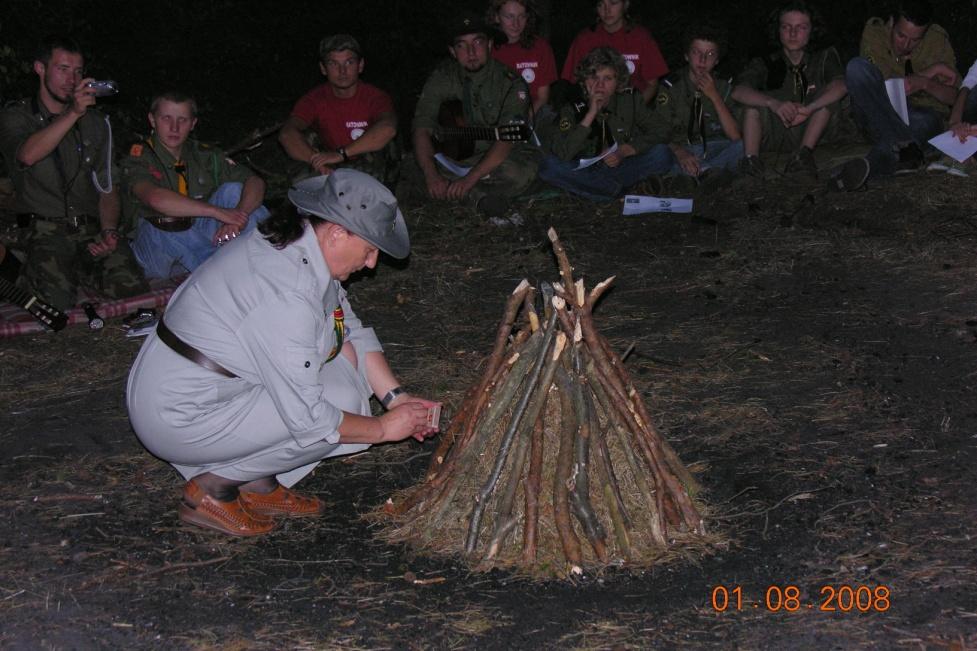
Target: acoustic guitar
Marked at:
49, 315
456, 139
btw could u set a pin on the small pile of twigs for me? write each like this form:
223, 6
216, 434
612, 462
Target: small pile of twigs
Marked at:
554, 442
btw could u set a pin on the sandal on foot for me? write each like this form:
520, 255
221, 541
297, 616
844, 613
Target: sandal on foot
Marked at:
283, 501
232, 518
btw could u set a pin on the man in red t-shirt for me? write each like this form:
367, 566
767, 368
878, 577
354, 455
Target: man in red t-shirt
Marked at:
615, 29
355, 121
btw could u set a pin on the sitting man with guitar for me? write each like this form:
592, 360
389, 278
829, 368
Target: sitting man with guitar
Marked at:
607, 140
59, 154
493, 102
355, 121
186, 198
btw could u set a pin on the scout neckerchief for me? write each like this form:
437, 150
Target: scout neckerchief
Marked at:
909, 67
178, 166
800, 79
697, 122
340, 327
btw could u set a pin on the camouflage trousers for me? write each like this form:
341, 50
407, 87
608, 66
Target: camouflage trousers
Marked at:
58, 263
383, 165
510, 179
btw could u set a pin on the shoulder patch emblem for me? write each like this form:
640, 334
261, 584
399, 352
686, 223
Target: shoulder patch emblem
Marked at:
663, 98
565, 124
136, 150
522, 95
156, 174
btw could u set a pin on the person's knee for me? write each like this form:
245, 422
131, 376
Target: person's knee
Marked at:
860, 71
227, 195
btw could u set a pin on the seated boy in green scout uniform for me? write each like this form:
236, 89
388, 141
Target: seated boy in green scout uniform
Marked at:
185, 197
693, 106
57, 150
490, 95
910, 47
792, 95
609, 120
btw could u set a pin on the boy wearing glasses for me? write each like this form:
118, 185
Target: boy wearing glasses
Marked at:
185, 198
703, 134
355, 121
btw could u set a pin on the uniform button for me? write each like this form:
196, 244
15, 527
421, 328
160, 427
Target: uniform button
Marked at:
305, 261
307, 365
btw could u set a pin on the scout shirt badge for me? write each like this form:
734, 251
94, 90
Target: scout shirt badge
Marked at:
339, 323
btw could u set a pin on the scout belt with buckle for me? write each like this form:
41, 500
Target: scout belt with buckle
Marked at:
180, 347
169, 224
73, 224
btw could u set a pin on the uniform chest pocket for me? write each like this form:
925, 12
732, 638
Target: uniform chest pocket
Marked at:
303, 363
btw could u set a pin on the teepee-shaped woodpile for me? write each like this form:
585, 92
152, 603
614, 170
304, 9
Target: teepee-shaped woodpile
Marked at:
552, 446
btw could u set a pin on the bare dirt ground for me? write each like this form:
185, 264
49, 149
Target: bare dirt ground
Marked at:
811, 356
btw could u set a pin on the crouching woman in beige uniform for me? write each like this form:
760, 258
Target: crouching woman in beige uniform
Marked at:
260, 368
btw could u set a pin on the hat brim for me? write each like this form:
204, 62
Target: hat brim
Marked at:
304, 196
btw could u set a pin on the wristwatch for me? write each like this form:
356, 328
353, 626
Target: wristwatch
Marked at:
342, 152
391, 396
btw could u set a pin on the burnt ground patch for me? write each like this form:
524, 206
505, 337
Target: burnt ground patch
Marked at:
810, 355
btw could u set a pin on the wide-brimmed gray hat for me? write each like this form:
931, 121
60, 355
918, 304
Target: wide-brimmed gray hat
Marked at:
357, 202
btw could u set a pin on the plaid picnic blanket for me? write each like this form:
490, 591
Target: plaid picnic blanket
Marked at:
15, 321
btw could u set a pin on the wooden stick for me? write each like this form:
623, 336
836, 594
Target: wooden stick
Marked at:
482, 497
610, 488
561, 495
533, 485
580, 493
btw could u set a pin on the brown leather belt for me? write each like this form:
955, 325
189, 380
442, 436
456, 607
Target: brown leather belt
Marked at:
186, 350
170, 224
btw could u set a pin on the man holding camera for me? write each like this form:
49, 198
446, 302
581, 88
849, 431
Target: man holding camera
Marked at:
58, 153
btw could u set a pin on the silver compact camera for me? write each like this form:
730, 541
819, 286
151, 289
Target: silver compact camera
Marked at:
104, 88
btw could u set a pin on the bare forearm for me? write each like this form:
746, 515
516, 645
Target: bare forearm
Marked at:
494, 157
379, 374
942, 92
752, 97
375, 138
650, 91
170, 203
833, 92
43, 142
728, 122
360, 429
294, 143
424, 151
109, 206
956, 113
252, 194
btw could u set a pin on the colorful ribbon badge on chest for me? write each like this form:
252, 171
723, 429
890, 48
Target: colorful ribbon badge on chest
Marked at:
340, 327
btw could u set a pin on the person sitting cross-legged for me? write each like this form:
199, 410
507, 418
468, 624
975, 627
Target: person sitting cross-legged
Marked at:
609, 120
185, 197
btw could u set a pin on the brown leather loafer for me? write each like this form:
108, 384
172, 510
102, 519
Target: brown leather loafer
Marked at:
231, 518
283, 501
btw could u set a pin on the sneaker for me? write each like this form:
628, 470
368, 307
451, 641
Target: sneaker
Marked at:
910, 159
942, 165
957, 169
802, 163
849, 176
752, 166
231, 518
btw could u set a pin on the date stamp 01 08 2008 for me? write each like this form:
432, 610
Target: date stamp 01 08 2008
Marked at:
833, 599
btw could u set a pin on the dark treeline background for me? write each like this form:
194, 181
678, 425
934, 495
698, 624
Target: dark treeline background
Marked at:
247, 62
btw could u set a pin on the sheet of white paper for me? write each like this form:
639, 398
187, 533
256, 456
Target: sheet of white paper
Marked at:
896, 89
587, 162
637, 204
952, 147
451, 165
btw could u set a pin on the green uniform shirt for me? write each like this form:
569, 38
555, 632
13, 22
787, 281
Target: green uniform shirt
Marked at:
207, 168
59, 186
625, 120
934, 48
776, 76
492, 96
674, 109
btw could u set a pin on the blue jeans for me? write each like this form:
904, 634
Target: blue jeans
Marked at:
164, 254
600, 182
874, 114
720, 154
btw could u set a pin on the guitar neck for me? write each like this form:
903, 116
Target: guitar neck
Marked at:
471, 133
15, 295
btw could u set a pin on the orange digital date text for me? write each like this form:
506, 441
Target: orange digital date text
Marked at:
788, 598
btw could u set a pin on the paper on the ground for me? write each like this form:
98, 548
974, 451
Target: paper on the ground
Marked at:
952, 147
896, 89
636, 204
452, 166
587, 162
142, 330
